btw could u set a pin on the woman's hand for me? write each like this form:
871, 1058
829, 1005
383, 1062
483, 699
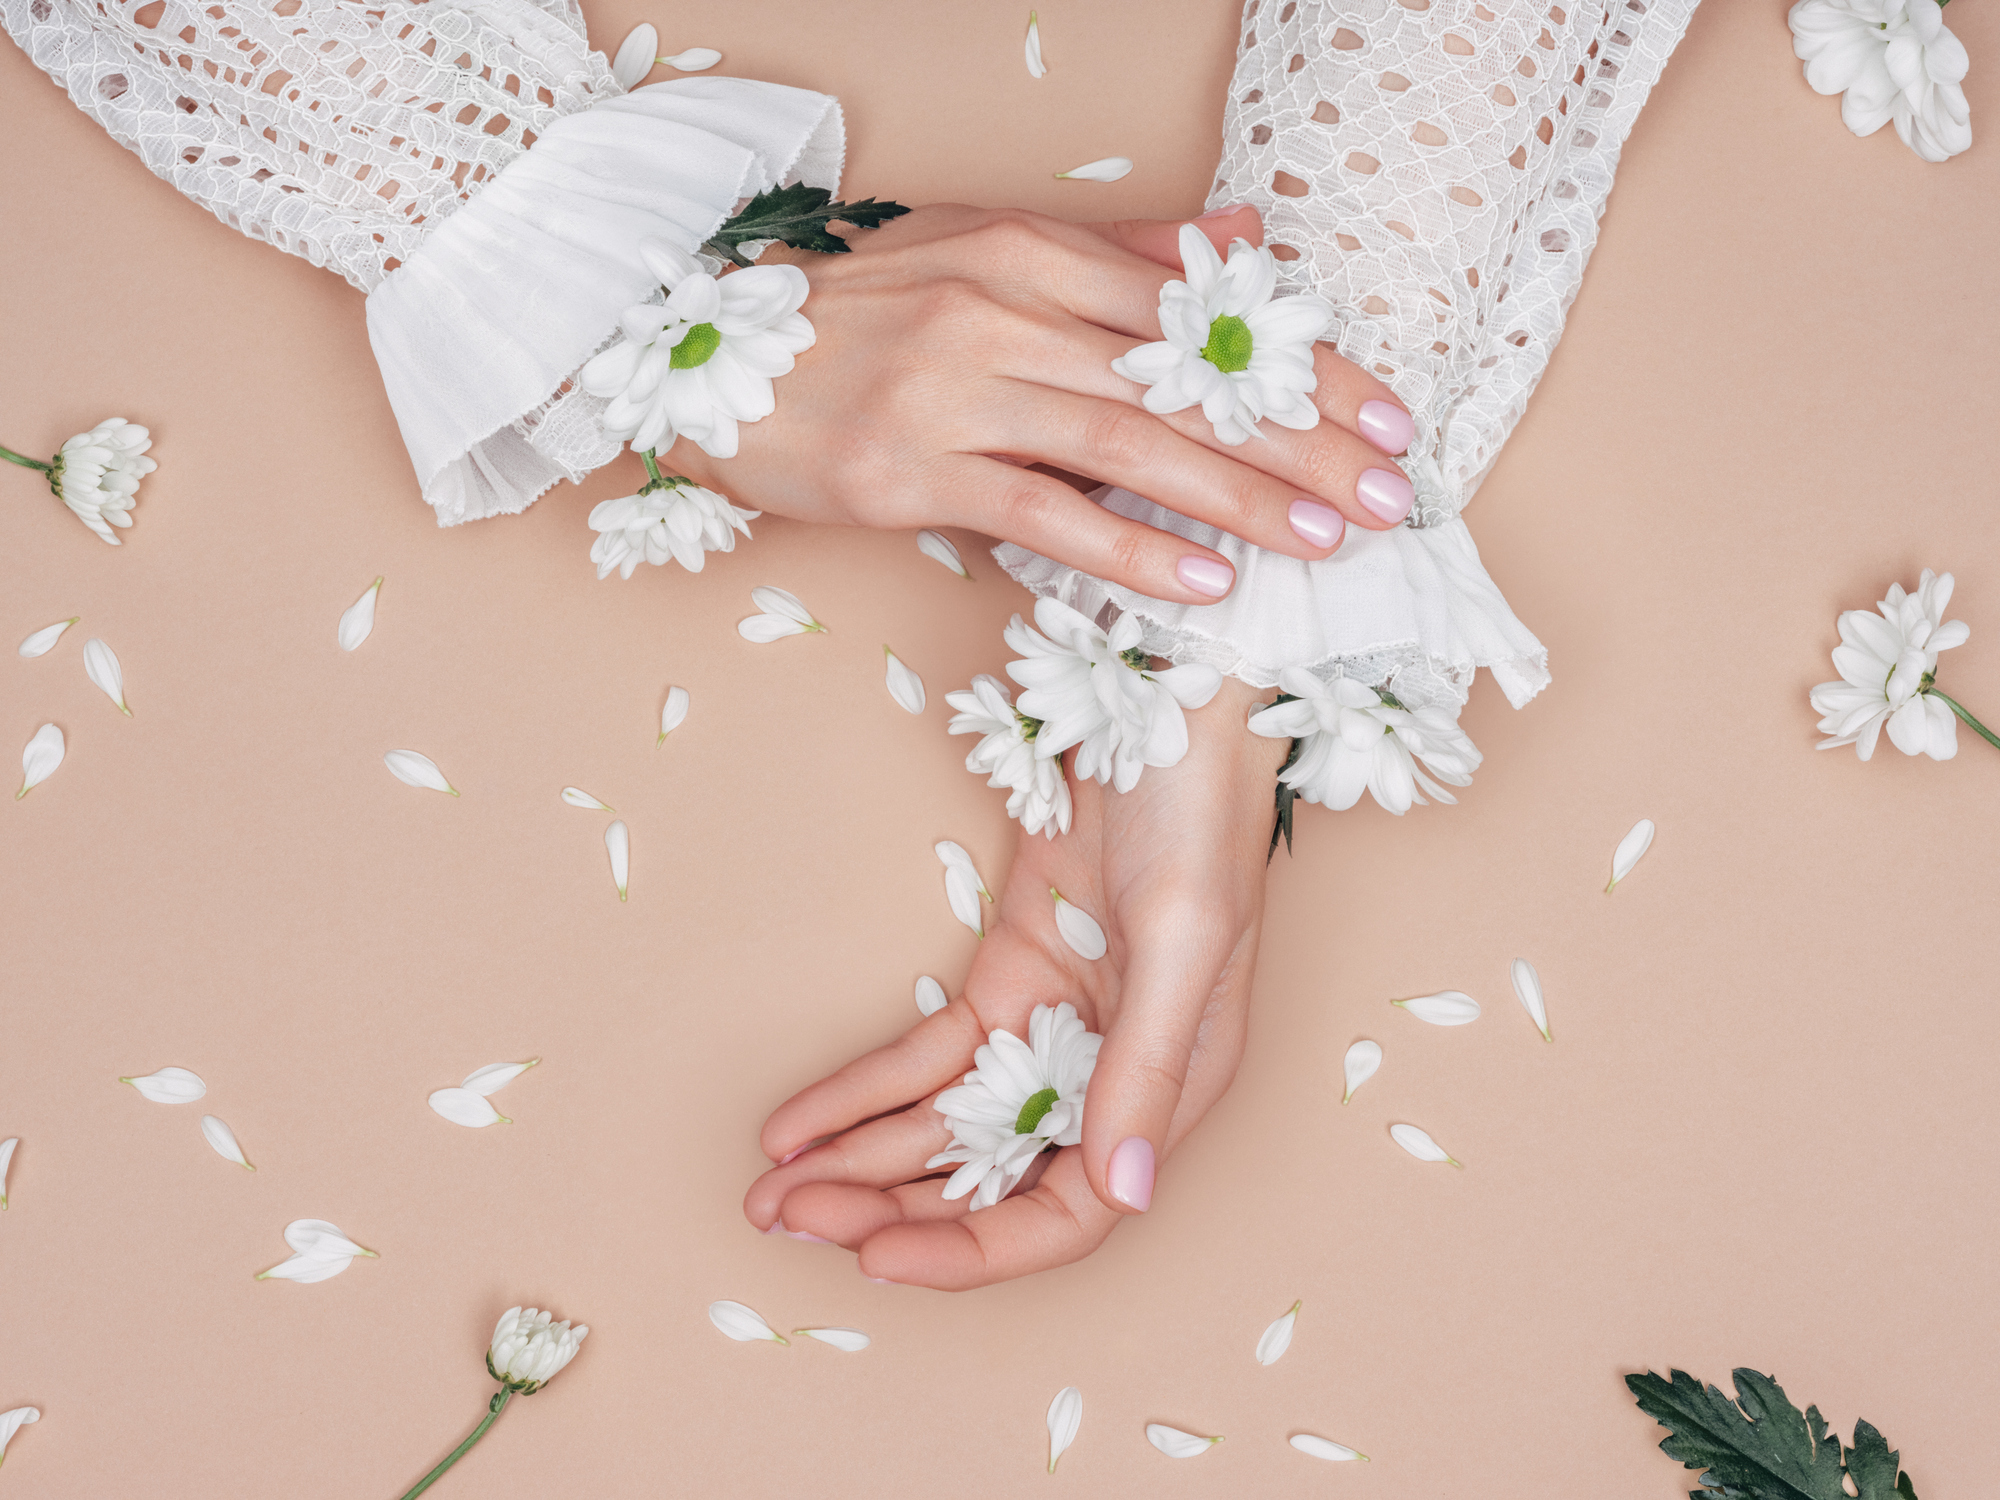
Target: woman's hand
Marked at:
958, 345
1174, 872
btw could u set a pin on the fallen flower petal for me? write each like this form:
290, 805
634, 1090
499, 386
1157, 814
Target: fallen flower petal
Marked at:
223, 1139
40, 643
955, 858
1362, 1059
963, 895
412, 769
848, 1340
1109, 169
12, 1422
467, 1107
1419, 1144
1034, 47
1446, 1008
636, 55
496, 1076
1065, 1416
694, 60
930, 995
1631, 849
741, 1323
672, 713
169, 1086
777, 601
358, 622
761, 630
307, 1268
938, 547
1528, 985
618, 844
905, 686
1177, 1444
6, 1158
1078, 928
100, 664
1278, 1337
576, 796
317, 1237
1320, 1447
39, 758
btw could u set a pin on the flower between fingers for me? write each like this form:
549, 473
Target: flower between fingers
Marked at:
1020, 1099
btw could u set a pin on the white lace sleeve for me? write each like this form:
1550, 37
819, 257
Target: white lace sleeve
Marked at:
1435, 169
470, 164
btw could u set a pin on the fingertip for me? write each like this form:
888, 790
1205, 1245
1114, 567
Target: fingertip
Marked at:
1128, 1175
1206, 575
1234, 221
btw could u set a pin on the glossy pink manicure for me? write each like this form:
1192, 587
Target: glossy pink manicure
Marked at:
1205, 575
1130, 1173
1319, 524
1385, 492
778, 1227
785, 1160
881, 1280
1387, 426
1217, 213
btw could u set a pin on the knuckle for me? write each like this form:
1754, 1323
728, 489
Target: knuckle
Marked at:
1131, 552
1120, 437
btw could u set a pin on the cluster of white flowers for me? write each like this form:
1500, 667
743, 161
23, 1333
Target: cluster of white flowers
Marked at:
669, 520
1886, 661
1019, 1099
1037, 794
1890, 60
1358, 739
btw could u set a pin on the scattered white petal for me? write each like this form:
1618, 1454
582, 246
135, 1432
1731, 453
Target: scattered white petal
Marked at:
39, 758
761, 630
6, 1158
1278, 1337
1078, 928
100, 664
319, 1250
1528, 985
223, 1139
412, 769
1065, 1416
905, 686
13, 1421
359, 621
1362, 1059
954, 857
964, 898
1034, 47
169, 1086
1177, 1444
1109, 169
782, 602
40, 643
694, 60
576, 796
936, 546
1630, 850
672, 713
467, 1107
496, 1076
741, 1323
1419, 1144
931, 997
848, 1340
618, 844
1320, 1447
1446, 1008
636, 55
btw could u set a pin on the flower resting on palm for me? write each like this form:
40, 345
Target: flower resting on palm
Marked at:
1020, 1099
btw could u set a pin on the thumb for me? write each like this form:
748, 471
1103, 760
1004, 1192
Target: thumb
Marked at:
1158, 239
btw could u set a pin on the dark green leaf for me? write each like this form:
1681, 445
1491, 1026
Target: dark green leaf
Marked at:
1287, 796
798, 216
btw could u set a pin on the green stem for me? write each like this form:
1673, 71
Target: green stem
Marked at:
25, 462
1978, 728
493, 1410
652, 466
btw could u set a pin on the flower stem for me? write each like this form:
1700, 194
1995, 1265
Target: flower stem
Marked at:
493, 1410
652, 466
25, 462
1977, 728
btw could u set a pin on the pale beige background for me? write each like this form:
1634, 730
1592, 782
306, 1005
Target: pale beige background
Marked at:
1766, 1133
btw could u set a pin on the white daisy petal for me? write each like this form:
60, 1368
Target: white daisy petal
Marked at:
761, 630
413, 769
963, 895
576, 796
777, 601
1325, 1448
1065, 1417
1446, 1008
905, 686
307, 1268
1177, 1444
741, 1323
13, 1421
169, 1086
1362, 1059
1630, 850
672, 713
1079, 928
635, 56
319, 1250
1036, 69
465, 1107
42, 640
618, 844
931, 997
694, 60
933, 544
1106, 169
1419, 1144
223, 1139
495, 1076
6, 1158
954, 857
1528, 985
359, 621
1278, 1337
847, 1340
100, 664
39, 758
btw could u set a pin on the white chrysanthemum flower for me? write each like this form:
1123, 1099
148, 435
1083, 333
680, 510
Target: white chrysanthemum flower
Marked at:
97, 474
1358, 739
1037, 791
529, 1347
1020, 1098
1889, 60
1228, 346
1091, 688
669, 520
704, 361
1886, 661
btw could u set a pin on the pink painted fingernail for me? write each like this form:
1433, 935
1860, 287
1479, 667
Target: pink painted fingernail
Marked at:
1385, 492
1319, 524
786, 1159
879, 1280
1386, 425
1205, 575
778, 1227
1130, 1174
1224, 212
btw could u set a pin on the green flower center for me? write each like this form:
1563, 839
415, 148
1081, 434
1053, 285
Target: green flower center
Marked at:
1032, 1112
1229, 345
703, 340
